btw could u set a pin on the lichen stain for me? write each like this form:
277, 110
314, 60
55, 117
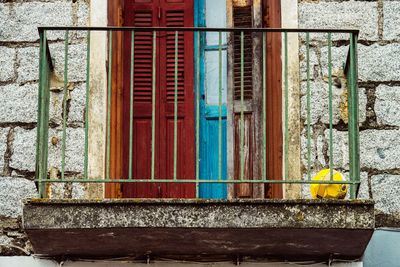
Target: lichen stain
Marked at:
299, 216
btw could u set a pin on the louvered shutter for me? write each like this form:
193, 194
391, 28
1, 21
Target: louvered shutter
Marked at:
139, 14
177, 13
245, 17
163, 13
242, 18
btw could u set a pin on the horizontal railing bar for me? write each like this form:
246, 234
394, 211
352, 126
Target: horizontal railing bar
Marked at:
201, 29
255, 181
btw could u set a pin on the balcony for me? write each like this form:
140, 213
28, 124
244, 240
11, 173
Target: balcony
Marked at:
192, 150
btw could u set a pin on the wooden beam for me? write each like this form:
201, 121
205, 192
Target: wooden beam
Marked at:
115, 15
272, 19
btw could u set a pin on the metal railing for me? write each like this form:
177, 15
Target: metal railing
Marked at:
349, 68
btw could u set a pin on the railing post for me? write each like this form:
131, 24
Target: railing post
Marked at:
308, 107
43, 116
64, 112
109, 95
286, 107
85, 164
354, 150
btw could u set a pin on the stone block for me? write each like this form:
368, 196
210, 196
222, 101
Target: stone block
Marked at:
391, 11
313, 62
12, 192
74, 152
20, 20
317, 150
24, 149
375, 62
7, 63
319, 102
76, 61
78, 101
18, 103
338, 59
3, 146
28, 64
334, 15
385, 192
387, 107
304, 148
378, 149
24, 146
83, 13
56, 107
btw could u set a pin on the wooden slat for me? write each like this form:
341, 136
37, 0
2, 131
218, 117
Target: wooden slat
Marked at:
115, 8
272, 18
246, 17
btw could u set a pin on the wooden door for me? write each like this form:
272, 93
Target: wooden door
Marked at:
247, 14
248, 159
212, 13
159, 13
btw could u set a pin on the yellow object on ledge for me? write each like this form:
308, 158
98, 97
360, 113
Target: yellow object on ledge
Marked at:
333, 191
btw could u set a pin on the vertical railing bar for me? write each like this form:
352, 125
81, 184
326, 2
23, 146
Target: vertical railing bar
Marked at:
308, 107
153, 110
198, 114
264, 107
356, 115
286, 108
39, 134
40, 127
219, 105
353, 118
64, 113
350, 109
176, 104
131, 104
46, 112
356, 150
330, 106
46, 109
108, 147
241, 105
87, 106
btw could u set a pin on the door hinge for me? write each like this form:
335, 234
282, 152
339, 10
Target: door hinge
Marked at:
159, 12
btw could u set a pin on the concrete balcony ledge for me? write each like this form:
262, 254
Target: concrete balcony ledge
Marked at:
279, 229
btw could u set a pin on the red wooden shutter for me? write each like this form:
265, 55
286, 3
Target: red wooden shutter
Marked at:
140, 14
177, 13
163, 13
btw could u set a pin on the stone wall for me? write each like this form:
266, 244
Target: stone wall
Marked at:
379, 93
379, 73
19, 58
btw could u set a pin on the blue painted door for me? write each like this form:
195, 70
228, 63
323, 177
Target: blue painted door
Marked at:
211, 13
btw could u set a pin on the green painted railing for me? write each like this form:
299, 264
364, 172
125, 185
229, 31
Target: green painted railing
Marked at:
46, 67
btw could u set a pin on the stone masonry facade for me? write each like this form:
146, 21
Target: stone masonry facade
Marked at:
379, 95
379, 98
19, 67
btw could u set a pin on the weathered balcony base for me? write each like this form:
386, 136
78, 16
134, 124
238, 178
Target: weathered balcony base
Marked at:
193, 229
